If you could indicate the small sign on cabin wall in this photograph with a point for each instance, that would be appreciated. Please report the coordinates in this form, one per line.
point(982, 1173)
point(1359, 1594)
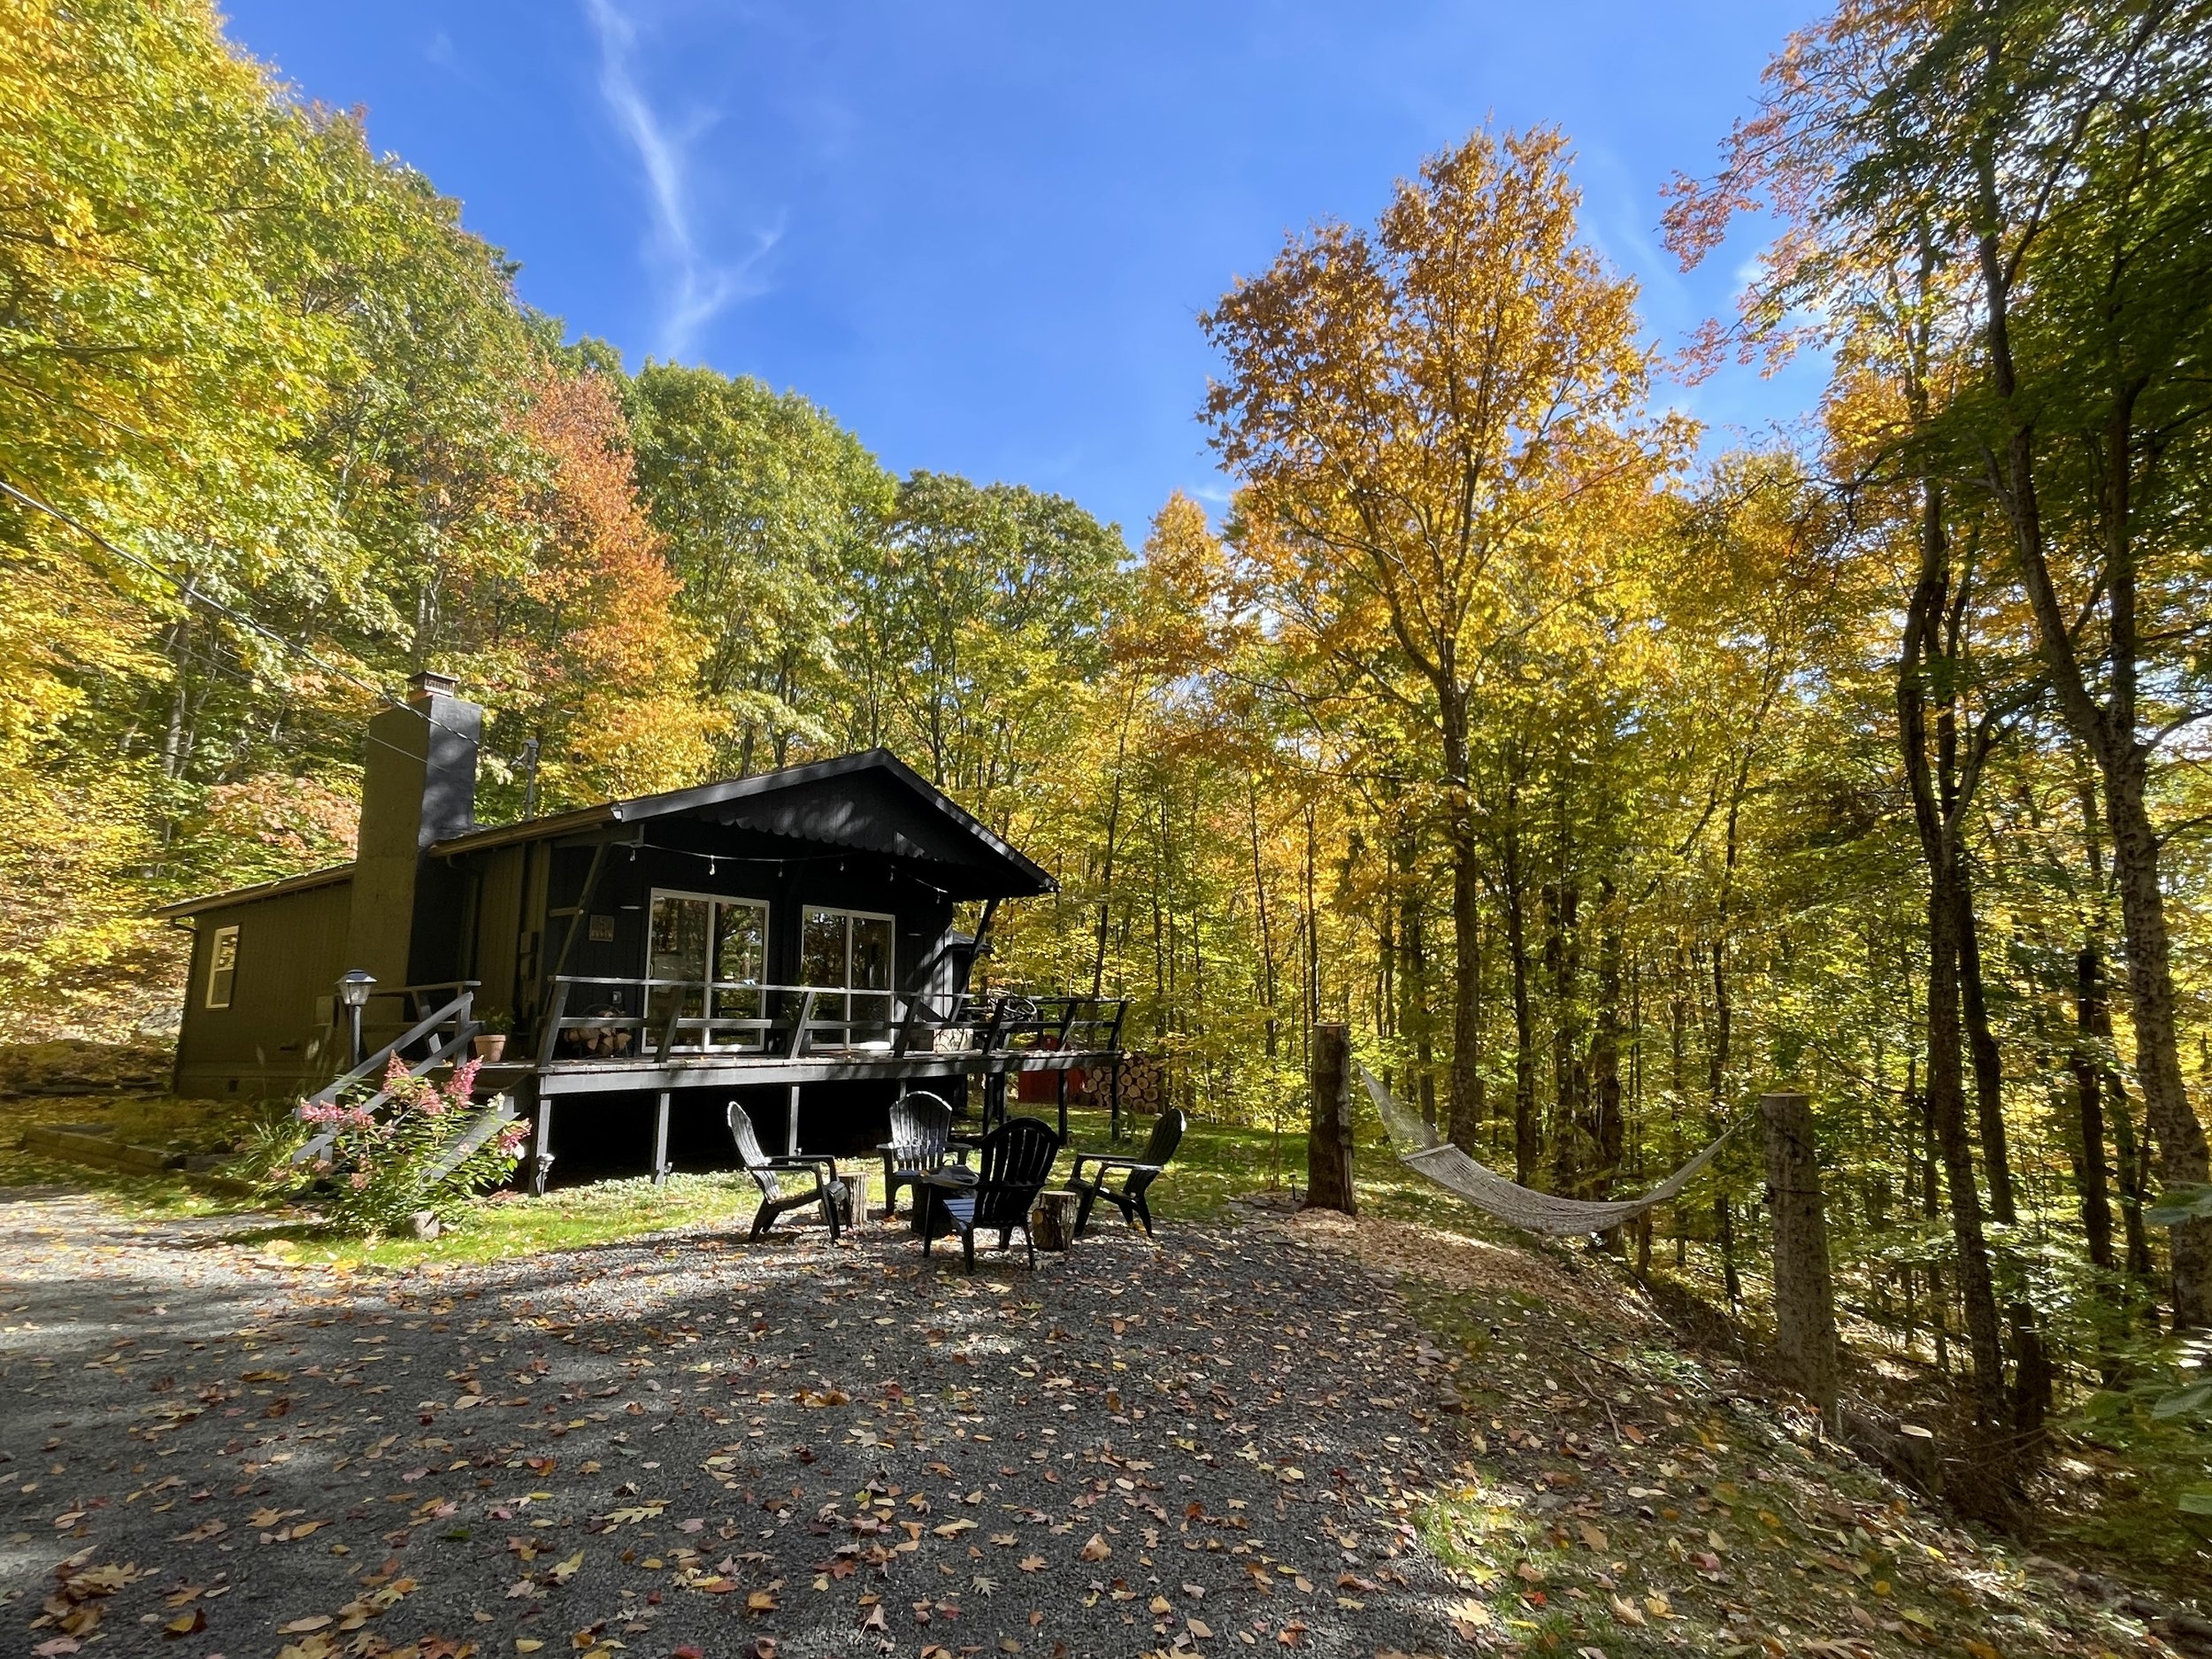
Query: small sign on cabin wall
point(602, 930)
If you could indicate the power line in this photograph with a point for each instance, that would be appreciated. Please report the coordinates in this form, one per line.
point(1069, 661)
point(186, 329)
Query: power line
point(191, 596)
point(243, 674)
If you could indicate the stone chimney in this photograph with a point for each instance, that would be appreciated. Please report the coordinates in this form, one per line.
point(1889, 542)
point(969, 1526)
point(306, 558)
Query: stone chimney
point(418, 786)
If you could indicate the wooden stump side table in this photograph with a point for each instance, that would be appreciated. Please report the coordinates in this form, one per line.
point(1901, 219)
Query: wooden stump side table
point(1052, 1220)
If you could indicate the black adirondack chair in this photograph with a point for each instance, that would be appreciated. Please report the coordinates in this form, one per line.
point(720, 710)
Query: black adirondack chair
point(921, 1141)
point(1137, 1174)
point(786, 1183)
point(1013, 1163)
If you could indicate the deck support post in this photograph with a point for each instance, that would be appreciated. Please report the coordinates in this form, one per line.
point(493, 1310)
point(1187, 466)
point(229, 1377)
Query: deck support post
point(994, 1098)
point(791, 1125)
point(1063, 1075)
point(541, 1153)
point(660, 1140)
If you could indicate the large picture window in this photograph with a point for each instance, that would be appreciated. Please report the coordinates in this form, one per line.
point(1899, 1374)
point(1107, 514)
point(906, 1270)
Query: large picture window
point(707, 956)
point(222, 966)
point(847, 956)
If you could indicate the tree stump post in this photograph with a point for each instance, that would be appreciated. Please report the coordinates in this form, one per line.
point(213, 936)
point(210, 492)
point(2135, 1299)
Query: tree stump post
point(1329, 1136)
point(1804, 1295)
point(1052, 1220)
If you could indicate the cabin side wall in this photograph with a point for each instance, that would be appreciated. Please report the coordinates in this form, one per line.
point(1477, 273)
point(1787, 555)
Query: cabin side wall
point(275, 1038)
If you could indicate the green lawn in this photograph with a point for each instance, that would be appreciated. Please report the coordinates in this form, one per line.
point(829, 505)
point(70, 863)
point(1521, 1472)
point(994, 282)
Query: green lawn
point(1215, 1164)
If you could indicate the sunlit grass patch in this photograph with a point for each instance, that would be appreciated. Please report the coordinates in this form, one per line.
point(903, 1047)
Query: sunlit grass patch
point(503, 1226)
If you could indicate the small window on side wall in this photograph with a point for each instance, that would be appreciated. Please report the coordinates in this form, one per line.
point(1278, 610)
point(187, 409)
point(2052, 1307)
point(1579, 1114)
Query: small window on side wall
point(222, 966)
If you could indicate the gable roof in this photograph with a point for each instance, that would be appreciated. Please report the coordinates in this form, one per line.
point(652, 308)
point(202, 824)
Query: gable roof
point(871, 802)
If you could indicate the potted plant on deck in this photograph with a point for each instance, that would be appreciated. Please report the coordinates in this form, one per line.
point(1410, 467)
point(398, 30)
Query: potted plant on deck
point(490, 1042)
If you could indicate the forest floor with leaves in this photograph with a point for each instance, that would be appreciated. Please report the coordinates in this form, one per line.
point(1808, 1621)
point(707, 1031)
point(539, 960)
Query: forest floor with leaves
point(1266, 1431)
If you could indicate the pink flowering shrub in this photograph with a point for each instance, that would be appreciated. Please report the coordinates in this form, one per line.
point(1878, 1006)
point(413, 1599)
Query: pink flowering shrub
point(382, 1166)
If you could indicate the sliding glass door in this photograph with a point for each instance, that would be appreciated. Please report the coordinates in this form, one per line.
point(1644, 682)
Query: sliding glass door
point(716, 949)
point(847, 956)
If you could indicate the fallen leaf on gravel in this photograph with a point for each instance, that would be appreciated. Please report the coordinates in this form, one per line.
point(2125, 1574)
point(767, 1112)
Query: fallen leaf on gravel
point(1097, 1549)
point(301, 1626)
point(1469, 1616)
point(186, 1623)
point(563, 1572)
point(1030, 1563)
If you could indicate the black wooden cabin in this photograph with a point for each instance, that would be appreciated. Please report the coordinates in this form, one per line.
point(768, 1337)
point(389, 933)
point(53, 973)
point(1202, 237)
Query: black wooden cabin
point(787, 939)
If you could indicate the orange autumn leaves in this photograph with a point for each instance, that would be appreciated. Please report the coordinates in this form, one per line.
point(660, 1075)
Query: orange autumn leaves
point(586, 643)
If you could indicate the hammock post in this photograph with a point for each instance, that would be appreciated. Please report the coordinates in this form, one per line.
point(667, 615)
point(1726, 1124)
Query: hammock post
point(1805, 1340)
point(1329, 1132)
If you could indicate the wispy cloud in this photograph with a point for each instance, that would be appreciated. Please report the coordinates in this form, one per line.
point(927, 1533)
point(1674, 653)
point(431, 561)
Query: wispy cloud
point(696, 287)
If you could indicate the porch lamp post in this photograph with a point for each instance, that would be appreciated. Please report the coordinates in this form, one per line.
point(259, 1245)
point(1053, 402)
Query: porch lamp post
point(353, 990)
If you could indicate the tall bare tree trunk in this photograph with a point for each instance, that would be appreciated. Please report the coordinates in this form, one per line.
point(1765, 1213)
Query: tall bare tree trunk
point(1528, 1141)
point(2094, 1173)
point(2108, 729)
point(1939, 805)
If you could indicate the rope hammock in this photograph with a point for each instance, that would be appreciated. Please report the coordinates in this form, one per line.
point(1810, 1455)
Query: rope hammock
point(1519, 1206)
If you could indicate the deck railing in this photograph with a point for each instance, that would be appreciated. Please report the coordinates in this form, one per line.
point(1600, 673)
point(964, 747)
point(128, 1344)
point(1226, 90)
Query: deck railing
point(591, 1016)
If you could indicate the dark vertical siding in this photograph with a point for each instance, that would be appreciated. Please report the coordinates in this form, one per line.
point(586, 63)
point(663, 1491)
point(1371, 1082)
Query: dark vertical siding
point(270, 1041)
point(498, 917)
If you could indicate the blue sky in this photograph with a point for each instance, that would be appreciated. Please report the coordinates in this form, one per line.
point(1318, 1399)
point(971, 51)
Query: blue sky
point(979, 234)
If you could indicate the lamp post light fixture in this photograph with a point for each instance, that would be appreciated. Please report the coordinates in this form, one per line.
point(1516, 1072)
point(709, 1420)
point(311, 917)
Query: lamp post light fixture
point(353, 991)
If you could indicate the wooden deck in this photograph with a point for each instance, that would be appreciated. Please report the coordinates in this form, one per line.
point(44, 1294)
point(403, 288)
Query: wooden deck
point(775, 1037)
point(743, 1070)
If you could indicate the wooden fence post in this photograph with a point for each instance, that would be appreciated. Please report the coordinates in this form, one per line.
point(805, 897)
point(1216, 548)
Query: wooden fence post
point(1329, 1136)
point(1804, 1295)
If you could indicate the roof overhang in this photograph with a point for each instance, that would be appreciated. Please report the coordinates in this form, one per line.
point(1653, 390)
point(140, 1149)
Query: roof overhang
point(870, 803)
point(259, 890)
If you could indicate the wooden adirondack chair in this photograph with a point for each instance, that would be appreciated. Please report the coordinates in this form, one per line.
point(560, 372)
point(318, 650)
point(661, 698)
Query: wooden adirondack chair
point(1137, 1174)
point(786, 1183)
point(1013, 1163)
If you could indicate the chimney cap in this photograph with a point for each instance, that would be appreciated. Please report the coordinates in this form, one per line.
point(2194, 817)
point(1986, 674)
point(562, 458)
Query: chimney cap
point(429, 683)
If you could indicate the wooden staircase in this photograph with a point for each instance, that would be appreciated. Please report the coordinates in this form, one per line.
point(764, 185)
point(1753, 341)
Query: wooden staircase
point(448, 1031)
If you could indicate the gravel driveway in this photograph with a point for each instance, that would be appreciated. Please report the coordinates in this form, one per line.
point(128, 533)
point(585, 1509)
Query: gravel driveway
point(691, 1442)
